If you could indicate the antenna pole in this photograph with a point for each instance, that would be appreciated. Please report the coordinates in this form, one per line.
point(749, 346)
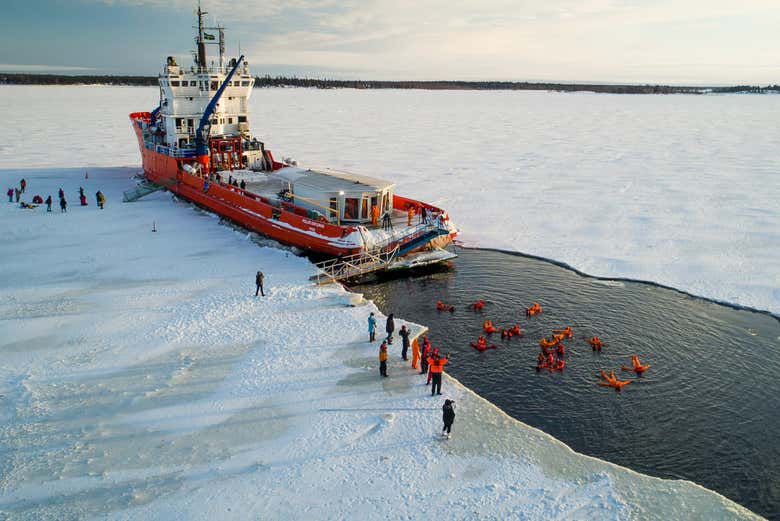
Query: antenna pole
point(201, 43)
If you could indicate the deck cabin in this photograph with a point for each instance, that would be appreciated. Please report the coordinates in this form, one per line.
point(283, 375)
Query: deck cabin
point(339, 196)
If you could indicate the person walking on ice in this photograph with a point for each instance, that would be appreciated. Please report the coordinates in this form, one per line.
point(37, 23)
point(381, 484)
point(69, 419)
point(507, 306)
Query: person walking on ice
point(383, 359)
point(371, 327)
point(448, 415)
point(63, 205)
point(48, 204)
point(390, 327)
point(259, 284)
point(10, 194)
point(404, 334)
point(101, 199)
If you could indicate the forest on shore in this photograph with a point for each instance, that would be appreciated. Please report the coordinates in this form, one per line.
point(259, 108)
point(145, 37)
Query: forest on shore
point(291, 81)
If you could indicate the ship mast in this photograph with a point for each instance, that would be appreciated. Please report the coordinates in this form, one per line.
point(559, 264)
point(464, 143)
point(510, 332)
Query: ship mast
point(201, 42)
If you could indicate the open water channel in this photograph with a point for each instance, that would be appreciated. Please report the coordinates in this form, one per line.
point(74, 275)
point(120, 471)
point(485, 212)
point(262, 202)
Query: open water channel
point(707, 409)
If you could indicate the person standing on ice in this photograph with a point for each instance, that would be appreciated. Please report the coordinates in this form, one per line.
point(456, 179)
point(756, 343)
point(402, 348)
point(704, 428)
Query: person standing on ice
point(10, 194)
point(81, 192)
point(415, 353)
point(242, 185)
point(61, 194)
point(17, 192)
point(23, 185)
point(437, 367)
point(48, 204)
point(383, 359)
point(101, 199)
point(63, 205)
point(259, 283)
point(390, 327)
point(371, 327)
point(404, 334)
point(448, 415)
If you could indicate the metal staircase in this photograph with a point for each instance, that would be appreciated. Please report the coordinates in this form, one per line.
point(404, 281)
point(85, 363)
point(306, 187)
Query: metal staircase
point(341, 268)
point(378, 258)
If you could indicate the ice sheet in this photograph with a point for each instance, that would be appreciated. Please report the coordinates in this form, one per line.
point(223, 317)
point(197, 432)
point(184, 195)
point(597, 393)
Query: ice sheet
point(141, 379)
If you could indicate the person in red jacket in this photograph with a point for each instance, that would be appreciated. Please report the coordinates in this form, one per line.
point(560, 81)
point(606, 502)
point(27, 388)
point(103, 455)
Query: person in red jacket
point(426, 352)
point(436, 364)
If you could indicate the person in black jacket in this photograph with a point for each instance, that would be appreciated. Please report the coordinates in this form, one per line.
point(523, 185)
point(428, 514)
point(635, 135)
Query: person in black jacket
point(448, 415)
point(404, 334)
point(390, 327)
point(259, 283)
point(48, 204)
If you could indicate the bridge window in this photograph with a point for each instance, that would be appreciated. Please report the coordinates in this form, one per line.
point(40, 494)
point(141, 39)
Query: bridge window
point(214, 85)
point(174, 84)
point(242, 119)
point(245, 84)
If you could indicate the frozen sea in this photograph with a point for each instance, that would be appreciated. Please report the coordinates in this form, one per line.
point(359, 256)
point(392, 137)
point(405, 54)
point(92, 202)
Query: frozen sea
point(681, 190)
point(139, 380)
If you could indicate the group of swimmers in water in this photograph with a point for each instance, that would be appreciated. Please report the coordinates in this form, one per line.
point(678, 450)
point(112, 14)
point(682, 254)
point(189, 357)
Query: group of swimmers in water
point(553, 352)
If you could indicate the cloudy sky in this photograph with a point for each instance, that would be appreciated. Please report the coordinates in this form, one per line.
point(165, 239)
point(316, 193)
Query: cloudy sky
point(636, 41)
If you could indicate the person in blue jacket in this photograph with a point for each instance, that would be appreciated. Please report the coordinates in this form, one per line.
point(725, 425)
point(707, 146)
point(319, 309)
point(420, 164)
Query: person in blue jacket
point(371, 327)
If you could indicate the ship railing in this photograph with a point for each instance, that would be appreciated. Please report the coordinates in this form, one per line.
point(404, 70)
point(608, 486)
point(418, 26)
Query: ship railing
point(351, 266)
point(174, 152)
point(408, 234)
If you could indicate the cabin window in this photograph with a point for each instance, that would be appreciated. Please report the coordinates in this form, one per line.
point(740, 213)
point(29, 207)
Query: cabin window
point(213, 85)
point(230, 121)
point(242, 119)
point(364, 209)
point(174, 84)
point(334, 206)
point(191, 122)
point(351, 208)
point(178, 122)
point(385, 205)
point(192, 84)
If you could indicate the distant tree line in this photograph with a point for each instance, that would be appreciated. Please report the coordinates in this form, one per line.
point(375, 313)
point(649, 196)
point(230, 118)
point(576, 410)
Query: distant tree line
point(290, 81)
point(67, 79)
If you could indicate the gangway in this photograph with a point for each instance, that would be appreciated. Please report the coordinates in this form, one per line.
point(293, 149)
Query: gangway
point(341, 268)
point(378, 258)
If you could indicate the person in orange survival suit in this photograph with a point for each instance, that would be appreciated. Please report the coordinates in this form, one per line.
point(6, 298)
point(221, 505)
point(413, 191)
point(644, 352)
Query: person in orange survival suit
point(374, 215)
point(415, 353)
point(436, 364)
point(383, 359)
point(409, 215)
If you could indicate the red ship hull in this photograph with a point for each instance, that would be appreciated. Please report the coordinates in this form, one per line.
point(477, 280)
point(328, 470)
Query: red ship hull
point(283, 222)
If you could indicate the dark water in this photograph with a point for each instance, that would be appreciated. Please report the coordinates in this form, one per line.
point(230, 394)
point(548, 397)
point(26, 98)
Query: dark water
point(707, 409)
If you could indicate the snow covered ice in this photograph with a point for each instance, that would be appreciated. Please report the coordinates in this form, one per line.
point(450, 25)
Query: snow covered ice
point(140, 378)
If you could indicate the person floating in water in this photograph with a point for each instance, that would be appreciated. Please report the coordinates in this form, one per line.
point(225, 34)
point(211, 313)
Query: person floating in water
point(482, 345)
point(595, 343)
point(565, 333)
point(636, 366)
point(478, 305)
point(441, 306)
point(488, 327)
point(535, 309)
point(612, 381)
